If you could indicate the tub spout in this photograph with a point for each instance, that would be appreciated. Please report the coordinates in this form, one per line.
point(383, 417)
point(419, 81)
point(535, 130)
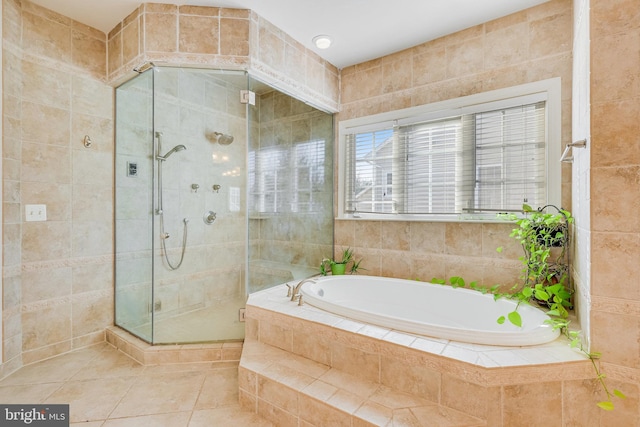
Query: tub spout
point(295, 293)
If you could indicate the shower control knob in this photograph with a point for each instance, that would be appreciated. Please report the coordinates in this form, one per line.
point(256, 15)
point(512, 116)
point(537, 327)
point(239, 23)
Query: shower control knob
point(164, 236)
point(209, 217)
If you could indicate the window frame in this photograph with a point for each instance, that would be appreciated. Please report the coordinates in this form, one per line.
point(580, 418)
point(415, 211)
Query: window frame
point(545, 90)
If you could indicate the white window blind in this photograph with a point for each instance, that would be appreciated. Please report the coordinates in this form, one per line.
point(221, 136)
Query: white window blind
point(483, 161)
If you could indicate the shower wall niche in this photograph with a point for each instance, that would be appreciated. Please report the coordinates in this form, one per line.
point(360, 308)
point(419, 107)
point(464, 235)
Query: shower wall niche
point(214, 199)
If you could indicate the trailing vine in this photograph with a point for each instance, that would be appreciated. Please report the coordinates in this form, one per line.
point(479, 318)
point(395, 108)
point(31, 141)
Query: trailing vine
point(545, 280)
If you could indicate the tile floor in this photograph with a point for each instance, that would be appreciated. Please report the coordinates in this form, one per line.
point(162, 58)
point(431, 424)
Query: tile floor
point(106, 388)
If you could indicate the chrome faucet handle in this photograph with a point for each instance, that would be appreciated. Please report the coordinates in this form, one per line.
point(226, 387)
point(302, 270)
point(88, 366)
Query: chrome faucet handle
point(289, 289)
point(295, 294)
point(300, 300)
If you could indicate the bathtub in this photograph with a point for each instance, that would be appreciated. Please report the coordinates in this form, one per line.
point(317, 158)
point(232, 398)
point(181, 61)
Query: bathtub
point(428, 309)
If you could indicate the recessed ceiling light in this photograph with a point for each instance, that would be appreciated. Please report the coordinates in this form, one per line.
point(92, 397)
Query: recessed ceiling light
point(322, 41)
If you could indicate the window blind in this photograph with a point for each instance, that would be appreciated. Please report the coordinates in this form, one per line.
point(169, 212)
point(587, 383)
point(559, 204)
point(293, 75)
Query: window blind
point(479, 162)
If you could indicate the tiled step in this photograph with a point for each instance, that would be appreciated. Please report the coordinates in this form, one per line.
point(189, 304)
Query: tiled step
point(291, 390)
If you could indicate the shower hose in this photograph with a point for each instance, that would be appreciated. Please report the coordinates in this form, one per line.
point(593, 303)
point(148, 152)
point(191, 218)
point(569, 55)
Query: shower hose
point(164, 236)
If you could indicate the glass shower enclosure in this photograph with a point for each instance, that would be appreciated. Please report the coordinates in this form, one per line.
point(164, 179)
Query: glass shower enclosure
point(214, 199)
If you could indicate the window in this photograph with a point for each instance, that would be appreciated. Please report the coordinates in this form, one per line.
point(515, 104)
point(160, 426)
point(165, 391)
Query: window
point(468, 158)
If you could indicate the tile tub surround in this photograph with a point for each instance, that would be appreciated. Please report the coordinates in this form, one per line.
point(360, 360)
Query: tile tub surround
point(493, 380)
point(291, 390)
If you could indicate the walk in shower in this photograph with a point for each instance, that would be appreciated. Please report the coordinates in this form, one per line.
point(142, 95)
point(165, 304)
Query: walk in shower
point(223, 187)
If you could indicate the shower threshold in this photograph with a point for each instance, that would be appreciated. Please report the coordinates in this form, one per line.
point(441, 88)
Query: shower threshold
point(216, 323)
point(147, 354)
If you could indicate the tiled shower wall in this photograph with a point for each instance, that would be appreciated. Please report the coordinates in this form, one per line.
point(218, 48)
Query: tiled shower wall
point(58, 286)
point(528, 46)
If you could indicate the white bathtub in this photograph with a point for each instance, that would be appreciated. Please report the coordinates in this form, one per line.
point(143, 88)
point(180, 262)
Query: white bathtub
point(428, 309)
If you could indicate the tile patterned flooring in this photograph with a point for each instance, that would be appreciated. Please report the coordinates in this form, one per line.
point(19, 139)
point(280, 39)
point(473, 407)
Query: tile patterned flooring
point(106, 388)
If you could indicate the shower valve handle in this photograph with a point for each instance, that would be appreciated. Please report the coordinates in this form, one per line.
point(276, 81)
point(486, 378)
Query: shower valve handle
point(209, 217)
point(164, 236)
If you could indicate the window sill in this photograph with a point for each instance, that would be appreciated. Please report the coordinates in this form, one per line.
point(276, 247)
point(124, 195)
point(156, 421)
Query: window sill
point(462, 218)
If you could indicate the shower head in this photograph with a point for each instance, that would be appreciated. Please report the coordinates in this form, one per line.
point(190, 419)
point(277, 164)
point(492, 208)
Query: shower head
point(223, 139)
point(173, 150)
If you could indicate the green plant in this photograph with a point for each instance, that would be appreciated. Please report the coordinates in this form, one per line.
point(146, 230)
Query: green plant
point(328, 264)
point(545, 239)
point(545, 280)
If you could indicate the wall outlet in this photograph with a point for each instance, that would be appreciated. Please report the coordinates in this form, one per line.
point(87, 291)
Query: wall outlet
point(35, 212)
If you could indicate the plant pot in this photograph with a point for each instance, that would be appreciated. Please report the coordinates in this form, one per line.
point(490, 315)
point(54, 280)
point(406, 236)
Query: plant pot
point(546, 236)
point(338, 269)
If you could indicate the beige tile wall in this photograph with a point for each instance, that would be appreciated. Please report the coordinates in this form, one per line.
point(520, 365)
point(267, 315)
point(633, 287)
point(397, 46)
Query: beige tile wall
point(615, 172)
point(223, 38)
point(58, 287)
point(167, 33)
point(528, 46)
point(523, 47)
point(284, 63)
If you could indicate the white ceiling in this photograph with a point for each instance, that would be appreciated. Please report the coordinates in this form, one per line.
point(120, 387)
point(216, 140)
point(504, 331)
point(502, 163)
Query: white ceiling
point(361, 29)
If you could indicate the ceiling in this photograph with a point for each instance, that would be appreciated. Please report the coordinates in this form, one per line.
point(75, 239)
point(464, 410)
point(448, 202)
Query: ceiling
point(361, 29)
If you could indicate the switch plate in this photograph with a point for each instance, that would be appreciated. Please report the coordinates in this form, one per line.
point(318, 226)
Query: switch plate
point(35, 212)
point(132, 169)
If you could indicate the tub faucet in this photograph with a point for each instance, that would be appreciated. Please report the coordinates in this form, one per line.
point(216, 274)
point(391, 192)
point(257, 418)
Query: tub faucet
point(295, 292)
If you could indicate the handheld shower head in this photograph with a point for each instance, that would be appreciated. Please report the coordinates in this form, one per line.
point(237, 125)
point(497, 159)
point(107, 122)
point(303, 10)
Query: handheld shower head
point(173, 150)
point(223, 139)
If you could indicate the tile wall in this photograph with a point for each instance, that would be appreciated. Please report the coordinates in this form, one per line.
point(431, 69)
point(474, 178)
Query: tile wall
point(528, 46)
point(58, 284)
point(614, 190)
point(532, 45)
point(214, 37)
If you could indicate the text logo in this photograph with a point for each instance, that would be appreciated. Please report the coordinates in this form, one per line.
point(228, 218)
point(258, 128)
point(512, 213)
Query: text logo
point(34, 415)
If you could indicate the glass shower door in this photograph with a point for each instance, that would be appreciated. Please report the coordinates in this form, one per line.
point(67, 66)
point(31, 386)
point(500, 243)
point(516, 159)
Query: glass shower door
point(290, 188)
point(181, 227)
point(134, 171)
point(200, 137)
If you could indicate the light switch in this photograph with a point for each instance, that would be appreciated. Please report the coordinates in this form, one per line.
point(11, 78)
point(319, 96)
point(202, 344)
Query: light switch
point(35, 212)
